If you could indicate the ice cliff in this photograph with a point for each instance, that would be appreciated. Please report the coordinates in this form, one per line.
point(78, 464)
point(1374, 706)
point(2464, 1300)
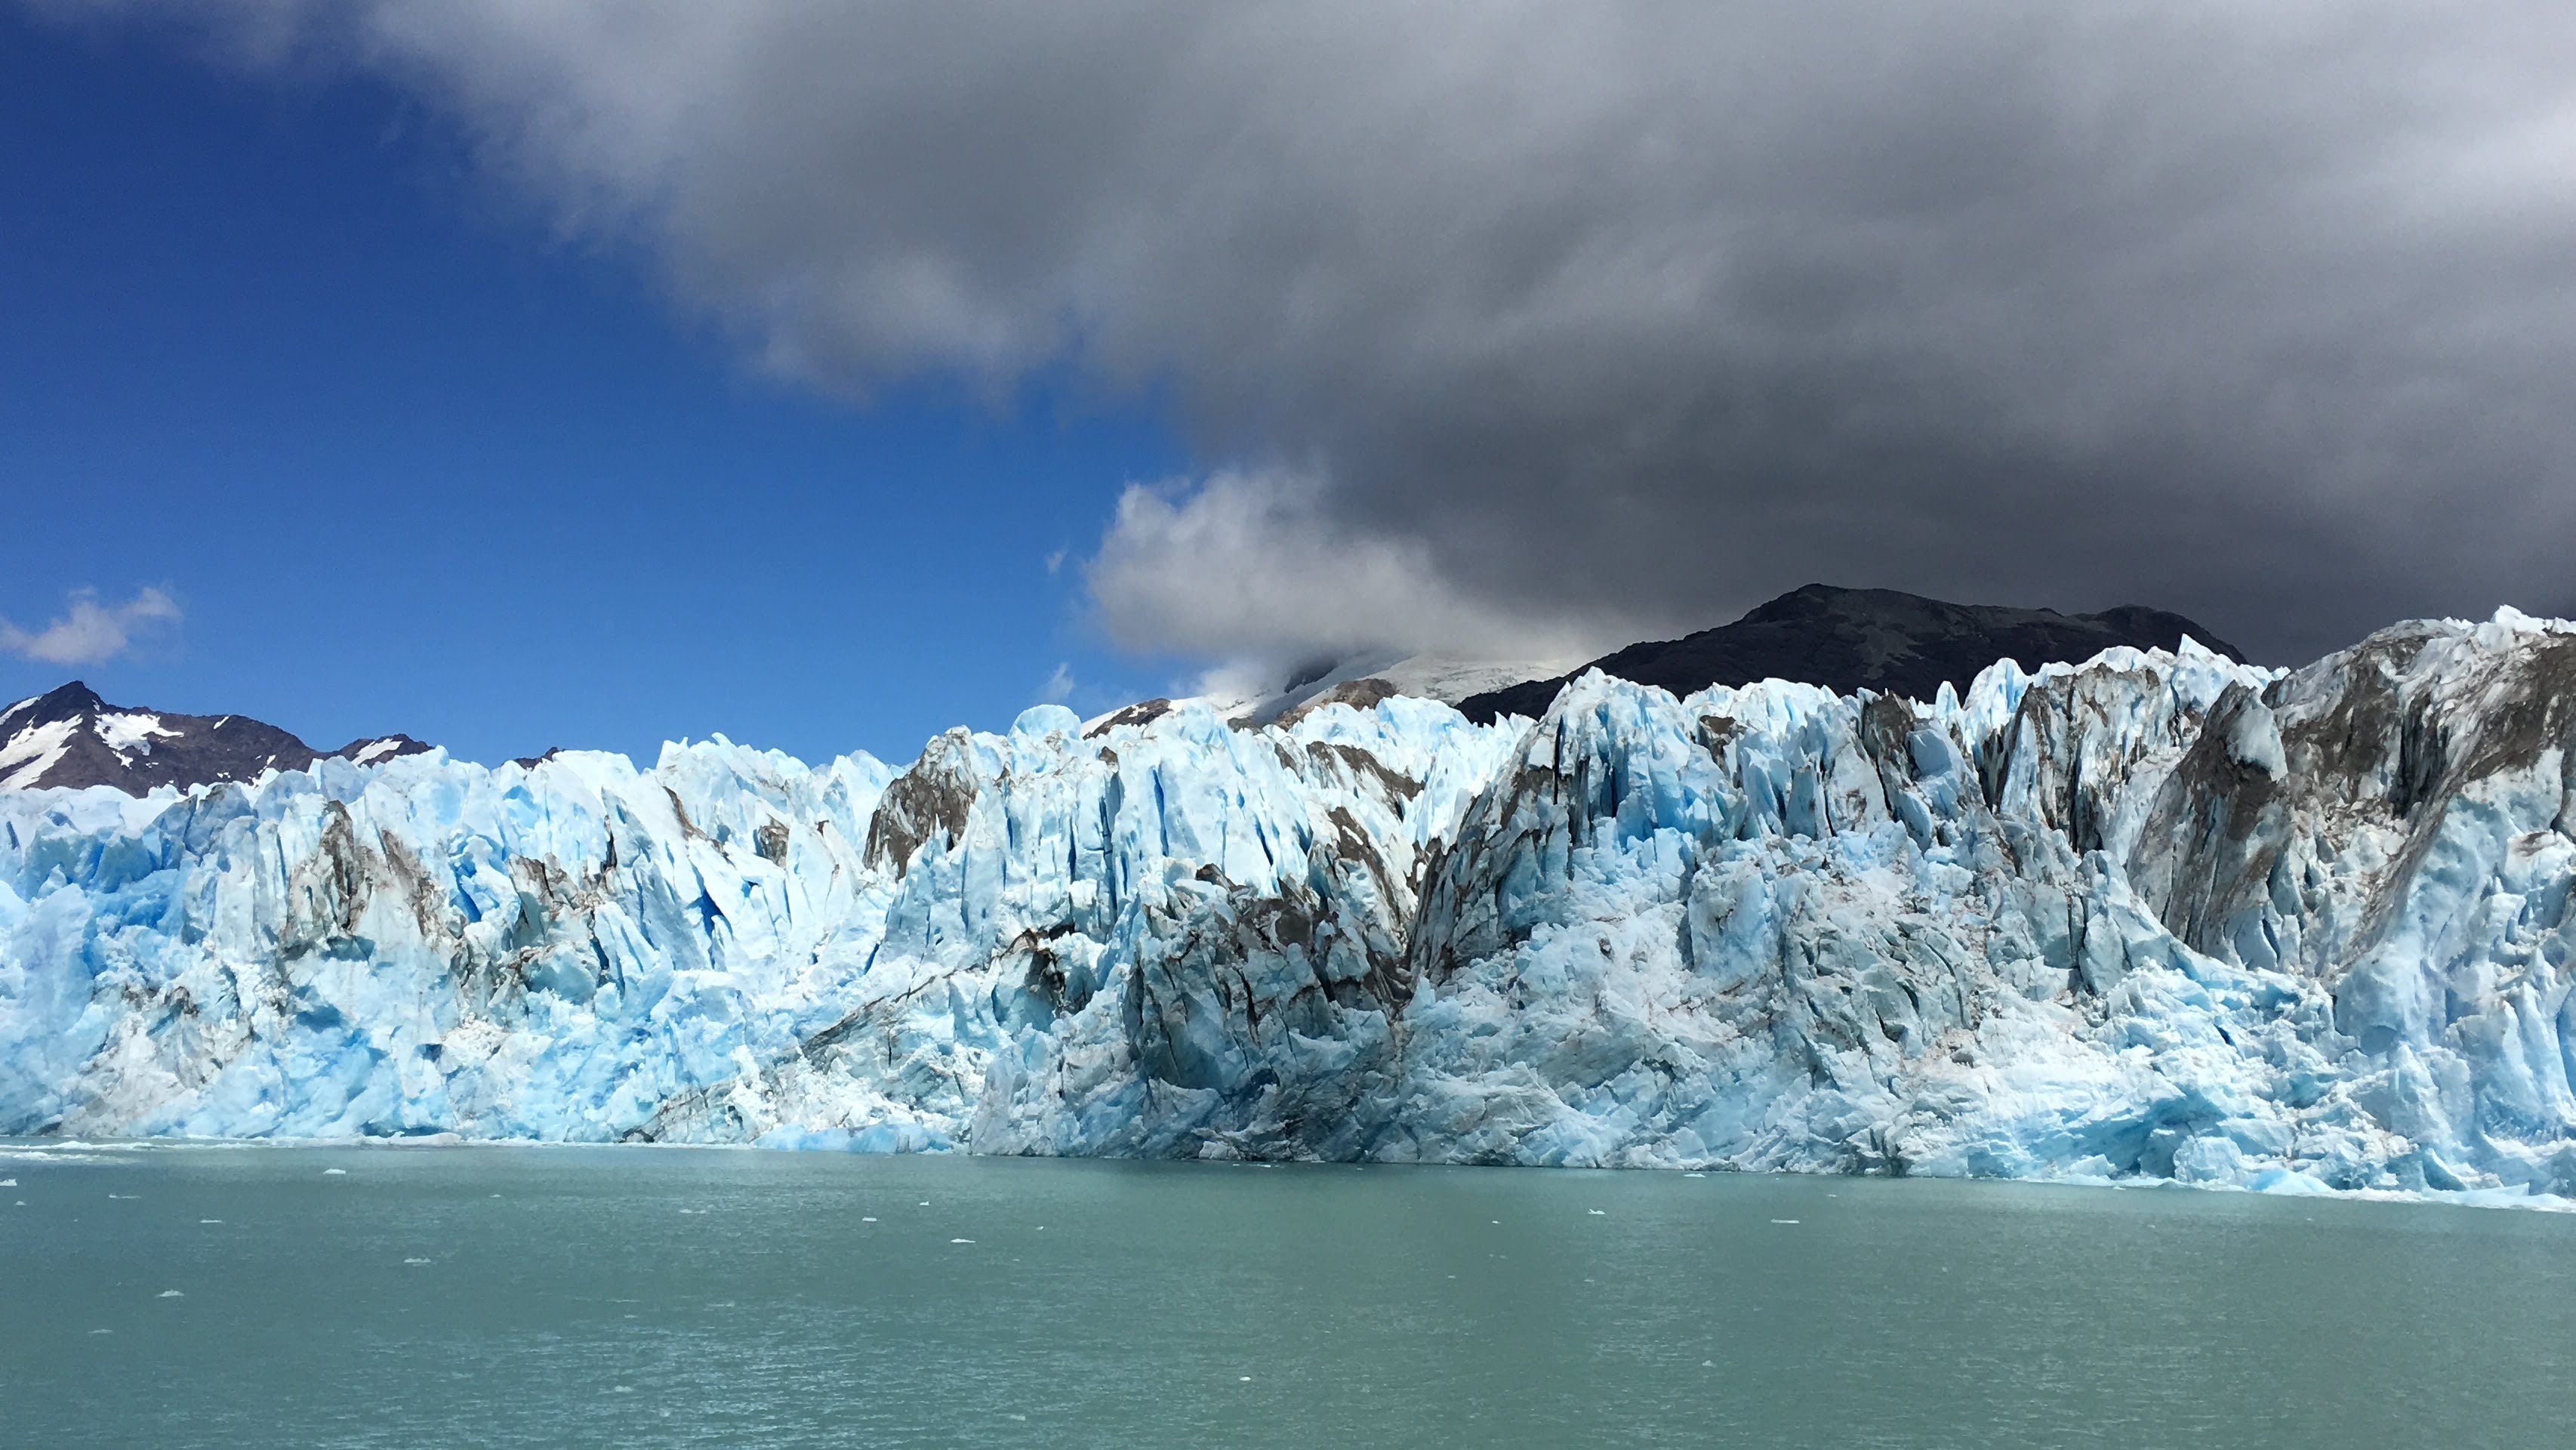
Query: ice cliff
point(2154, 915)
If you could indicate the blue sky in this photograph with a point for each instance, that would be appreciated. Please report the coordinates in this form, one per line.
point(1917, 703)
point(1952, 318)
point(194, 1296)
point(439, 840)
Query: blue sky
point(409, 460)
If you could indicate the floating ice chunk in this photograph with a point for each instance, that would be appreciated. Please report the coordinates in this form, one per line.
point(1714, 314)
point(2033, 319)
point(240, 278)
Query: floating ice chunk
point(415, 1261)
point(2285, 1180)
point(170, 1294)
point(210, 1220)
point(1784, 1220)
point(1596, 1213)
point(334, 1172)
point(8, 1182)
point(867, 1220)
point(961, 1241)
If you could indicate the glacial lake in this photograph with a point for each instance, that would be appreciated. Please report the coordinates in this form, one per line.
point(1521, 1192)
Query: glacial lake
point(400, 1296)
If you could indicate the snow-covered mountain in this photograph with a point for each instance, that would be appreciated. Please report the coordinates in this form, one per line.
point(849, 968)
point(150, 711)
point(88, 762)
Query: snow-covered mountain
point(2157, 915)
point(71, 737)
point(1369, 676)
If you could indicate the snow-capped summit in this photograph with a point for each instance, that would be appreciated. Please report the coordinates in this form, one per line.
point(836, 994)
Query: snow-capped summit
point(70, 737)
point(1362, 679)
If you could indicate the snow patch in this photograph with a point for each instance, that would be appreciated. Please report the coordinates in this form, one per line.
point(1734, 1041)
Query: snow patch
point(32, 751)
point(129, 733)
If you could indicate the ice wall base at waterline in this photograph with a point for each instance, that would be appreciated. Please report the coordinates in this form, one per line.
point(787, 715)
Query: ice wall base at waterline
point(2152, 916)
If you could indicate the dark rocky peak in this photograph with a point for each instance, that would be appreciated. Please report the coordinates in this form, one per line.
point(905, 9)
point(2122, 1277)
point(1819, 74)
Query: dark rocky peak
point(69, 737)
point(1864, 639)
point(375, 749)
point(63, 702)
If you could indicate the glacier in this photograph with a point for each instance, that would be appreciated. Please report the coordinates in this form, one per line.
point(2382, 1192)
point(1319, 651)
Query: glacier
point(2156, 916)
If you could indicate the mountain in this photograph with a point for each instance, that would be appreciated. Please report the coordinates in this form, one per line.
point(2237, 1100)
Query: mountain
point(2160, 916)
point(70, 737)
point(1372, 675)
point(1862, 639)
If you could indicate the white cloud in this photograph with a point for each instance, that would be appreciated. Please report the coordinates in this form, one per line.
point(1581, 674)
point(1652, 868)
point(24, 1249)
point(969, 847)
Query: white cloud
point(1059, 685)
point(89, 632)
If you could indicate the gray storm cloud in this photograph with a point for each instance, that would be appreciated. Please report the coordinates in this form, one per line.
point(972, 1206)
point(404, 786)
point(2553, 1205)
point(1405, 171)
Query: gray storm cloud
point(1508, 320)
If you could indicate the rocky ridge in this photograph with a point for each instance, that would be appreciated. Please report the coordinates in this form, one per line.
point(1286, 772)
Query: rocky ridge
point(1862, 639)
point(70, 738)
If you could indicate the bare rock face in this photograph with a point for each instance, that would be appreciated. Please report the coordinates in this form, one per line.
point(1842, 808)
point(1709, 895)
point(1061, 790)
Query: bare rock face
point(1362, 693)
point(70, 738)
point(1143, 712)
point(1849, 640)
point(928, 802)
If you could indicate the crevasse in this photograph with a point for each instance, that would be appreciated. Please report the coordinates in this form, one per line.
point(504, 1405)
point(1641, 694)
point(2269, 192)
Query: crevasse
point(2153, 916)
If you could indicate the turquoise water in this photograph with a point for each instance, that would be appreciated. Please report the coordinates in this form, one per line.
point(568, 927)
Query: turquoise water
point(631, 1296)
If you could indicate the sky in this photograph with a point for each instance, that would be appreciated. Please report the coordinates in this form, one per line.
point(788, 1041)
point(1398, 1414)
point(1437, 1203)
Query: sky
point(378, 451)
point(829, 374)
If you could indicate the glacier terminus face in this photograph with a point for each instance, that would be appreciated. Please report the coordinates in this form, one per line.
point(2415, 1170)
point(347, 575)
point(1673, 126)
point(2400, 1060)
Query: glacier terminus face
point(2154, 916)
